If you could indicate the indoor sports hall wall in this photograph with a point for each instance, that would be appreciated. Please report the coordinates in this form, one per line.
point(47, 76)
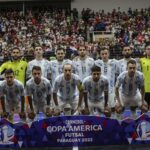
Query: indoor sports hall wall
point(109, 5)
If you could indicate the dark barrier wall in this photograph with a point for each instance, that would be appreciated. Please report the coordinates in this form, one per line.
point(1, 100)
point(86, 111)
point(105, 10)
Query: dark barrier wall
point(109, 5)
point(27, 4)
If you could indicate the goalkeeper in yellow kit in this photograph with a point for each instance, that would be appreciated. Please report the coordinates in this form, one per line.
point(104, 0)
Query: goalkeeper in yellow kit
point(16, 64)
point(145, 65)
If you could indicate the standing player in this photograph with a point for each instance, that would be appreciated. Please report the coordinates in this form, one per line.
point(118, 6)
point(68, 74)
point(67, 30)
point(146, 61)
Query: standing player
point(83, 63)
point(132, 91)
point(127, 53)
point(12, 94)
point(145, 66)
point(16, 64)
point(65, 89)
point(95, 89)
point(57, 65)
point(109, 68)
point(39, 61)
point(38, 91)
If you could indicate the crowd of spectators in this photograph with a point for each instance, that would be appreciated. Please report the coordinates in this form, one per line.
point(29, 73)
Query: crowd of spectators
point(67, 32)
point(69, 28)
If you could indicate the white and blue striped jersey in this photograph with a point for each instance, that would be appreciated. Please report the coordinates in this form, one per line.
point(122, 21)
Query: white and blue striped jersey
point(122, 64)
point(12, 93)
point(57, 68)
point(95, 90)
point(83, 67)
point(44, 64)
point(130, 85)
point(67, 90)
point(110, 70)
point(39, 91)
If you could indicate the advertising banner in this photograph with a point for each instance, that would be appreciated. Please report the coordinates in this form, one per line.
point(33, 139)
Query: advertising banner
point(69, 131)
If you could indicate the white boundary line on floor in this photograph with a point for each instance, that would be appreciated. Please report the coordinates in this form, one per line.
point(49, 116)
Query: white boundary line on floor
point(75, 148)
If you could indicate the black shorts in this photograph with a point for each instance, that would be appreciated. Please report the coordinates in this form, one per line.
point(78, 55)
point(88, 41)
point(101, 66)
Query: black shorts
point(147, 97)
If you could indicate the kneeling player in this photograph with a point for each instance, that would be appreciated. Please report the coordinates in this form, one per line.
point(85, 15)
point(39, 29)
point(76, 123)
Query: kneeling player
point(95, 89)
point(130, 89)
point(38, 91)
point(67, 90)
point(12, 95)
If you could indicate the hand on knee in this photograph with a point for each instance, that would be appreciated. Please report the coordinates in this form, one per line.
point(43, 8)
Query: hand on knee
point(144, 108)
point(119, 109)
point(85, 111)
point(107, 111)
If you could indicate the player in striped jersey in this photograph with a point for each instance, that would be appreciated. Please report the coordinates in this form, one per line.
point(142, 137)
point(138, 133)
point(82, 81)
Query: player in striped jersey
point(39, 61)
point(127, 53)
point(83, 63)
point(65, 89)
point(132, 89)
point(57, 65)
point(38, 91)
point(95, 88)
point(145, 65)
point(12, 94)
point(109, 68)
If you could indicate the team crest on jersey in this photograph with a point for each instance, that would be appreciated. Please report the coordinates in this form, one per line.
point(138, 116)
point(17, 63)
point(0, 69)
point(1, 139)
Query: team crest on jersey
point(32, 89)
point(89, 64)
point(54, 65)
point(110, 65)
point(21, 68)
point(16, 90)
point(143, 131)
point(73, 83)
point(61, 86)
point(6, 135)
point(43, 89)
point(4, 91)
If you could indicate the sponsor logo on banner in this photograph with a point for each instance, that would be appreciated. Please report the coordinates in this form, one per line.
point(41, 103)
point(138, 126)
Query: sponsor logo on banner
point(77, 130)
point(143, 131)
point(74, 131)
point(6, 135)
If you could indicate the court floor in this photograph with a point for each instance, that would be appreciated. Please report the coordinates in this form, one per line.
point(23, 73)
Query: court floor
point(105, 147)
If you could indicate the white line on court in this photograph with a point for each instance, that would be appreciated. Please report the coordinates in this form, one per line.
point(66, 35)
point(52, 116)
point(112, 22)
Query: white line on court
point(75, 148)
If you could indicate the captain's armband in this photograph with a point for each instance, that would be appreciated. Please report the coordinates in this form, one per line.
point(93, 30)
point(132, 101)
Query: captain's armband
point(80, 87)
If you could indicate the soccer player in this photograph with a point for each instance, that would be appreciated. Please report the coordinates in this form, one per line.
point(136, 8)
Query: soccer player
point(16, 64)
point(109, 68)
point(39, 61)
point(57, 65)
point(12, 94)
point(132, 92)
point(65, 89)
point(95, 91)
point(145, 66)
point(83, 63)
point(127, 53)
point(38, 91)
